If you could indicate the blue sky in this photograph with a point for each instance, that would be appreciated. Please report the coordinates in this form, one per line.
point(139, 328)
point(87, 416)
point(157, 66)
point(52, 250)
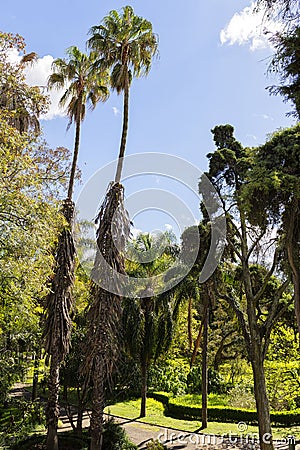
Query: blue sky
point(204, 77)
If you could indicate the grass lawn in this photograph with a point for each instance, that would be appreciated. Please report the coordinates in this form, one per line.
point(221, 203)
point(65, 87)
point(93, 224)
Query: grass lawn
point(155, 415)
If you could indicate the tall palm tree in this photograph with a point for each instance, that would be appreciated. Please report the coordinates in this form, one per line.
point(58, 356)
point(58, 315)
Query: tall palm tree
point(81, 85)
point(124, 44)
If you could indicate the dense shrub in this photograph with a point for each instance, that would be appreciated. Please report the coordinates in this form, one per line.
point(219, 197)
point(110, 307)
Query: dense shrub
point(184, 408)
point(216, 383)
point(169, 376)
point(115, 438)
point(241, 396)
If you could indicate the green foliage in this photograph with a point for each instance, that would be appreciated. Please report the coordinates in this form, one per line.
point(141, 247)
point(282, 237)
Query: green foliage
point(124, 43)
point(169, 376)
point(19, 418)
point(241, 396)
point(114, 437)
point(155, 445)
point(82, 83)
point(286, 62)
point(31, 177)
point(187, 407)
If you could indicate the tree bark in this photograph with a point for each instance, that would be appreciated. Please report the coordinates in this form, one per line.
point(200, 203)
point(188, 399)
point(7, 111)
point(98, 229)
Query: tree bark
point(52, 409)
point(204, 381)
point(35, 377)
point(79, 420)
point(144, 372)
point(96, 424)
point(261, 397)
point(190, 324)
point(293, 255)
point(198, 340)
point(124, 132)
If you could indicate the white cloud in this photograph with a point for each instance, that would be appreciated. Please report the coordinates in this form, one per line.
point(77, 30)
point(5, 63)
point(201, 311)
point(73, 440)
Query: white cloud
point(115, 111)
point(37, 75)
point(264, 116)
point(168, 226)
point(249, 27)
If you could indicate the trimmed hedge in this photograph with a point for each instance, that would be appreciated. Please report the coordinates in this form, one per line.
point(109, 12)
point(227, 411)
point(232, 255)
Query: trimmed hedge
point(173, 408)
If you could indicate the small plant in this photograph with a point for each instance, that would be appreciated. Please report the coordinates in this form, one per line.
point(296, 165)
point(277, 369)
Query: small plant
point(155, 445)
point(115, 438)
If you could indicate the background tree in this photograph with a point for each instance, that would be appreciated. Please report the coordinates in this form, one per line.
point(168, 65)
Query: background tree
point(148, 321)
point(229, 167)
point(286, 63)
point(276, 187)
point(31, 176)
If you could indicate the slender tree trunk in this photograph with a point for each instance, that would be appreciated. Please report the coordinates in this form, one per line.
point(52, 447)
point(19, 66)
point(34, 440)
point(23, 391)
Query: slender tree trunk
point(198, 340)
point(204, 381)
point(75, 154)
point(256, 350)
point(52, 410)
point(144, 371)
point(35, 376)
point(96, 424)
point(190, 324)
point(79, 420)
point(261, 397)
point(293, 255)
point(124, 132)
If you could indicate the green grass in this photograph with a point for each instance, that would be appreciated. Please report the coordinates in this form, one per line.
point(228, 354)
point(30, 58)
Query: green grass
point(155, 415)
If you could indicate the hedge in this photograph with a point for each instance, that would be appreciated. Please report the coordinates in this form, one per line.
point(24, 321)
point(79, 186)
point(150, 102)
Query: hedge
point(174, 409)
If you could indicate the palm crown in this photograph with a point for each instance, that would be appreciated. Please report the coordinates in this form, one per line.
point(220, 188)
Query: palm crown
point(126, 44)
point(83, 84)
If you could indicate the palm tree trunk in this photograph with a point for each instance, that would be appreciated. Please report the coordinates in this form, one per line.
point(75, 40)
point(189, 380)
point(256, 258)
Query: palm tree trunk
point(124, 132)
point(75, 155)
point(96, 424)
point(52, 409)
point(204, 381)
point(57, 330)
point(144, 372)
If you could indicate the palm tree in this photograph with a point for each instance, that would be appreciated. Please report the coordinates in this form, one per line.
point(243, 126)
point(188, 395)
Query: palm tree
point(148, 320)
point(126, 44)
point(82, 85)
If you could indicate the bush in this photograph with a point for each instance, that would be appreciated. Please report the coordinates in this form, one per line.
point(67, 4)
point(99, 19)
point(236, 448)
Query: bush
point(216, 383)
point(187, 408)
point(115, 438)
point(155, 445)
point(169, 376)
point(240, 396)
